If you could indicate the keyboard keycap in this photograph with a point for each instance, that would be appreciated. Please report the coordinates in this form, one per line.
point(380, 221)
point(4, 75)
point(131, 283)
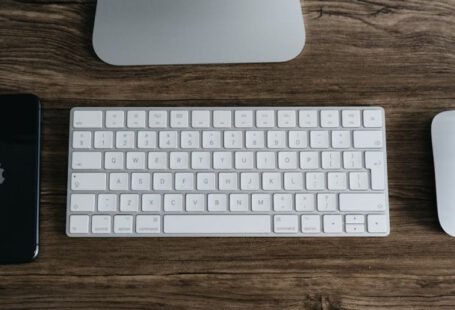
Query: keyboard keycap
point(88, 181)
point(88, 119)
point(286, 224)
point(368, 139)
point(217, 224)
point(362, 202)
point(86, 160)
point(79, 224)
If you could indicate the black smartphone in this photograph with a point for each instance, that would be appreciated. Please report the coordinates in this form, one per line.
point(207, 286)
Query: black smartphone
point(20, 135)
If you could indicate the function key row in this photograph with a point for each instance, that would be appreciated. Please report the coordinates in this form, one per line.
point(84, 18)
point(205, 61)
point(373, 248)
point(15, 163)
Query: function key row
point(287, 118)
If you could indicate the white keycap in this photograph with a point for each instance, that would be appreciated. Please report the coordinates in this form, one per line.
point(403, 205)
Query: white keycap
point(308, 119)
point(222, 160)
point(201, 160)
point(104, 139)
point(362, 203)
point(101, 224)
point(271, 181)
point(330, 119)
point(147, 140)
point(173, 203)
point(125, 140)
point(158, 119)
point(107, 203)
point(309, 160)
point(114, 160)
point(79, 224)
point(244, 160)
point(288, 160)
point(88, 119)
point(239, 202)
point(190, 139)
point(206, 181)
point(118, 181)
point(337, 181)
point(372, 119)
point(168, 139)
point(315, 181)
point(355, 219)
point(201, 119)
point(266, 160)
point(311, 224)
point(228, 181)
point(351, 118)
point(298, 139)
point(115, 119)
point(195, 203)
point(319, 139)
point(293, 181)
point(265, 119)
point(377, 224)
point(333, 224)
point(82, 140)
point(179, 160)
point(287, 119)
point(180, 119)
point(158, 160)
point(151, 203)
point(283, 202)
point(148, 224)
point(135, 160)
point(217, 224)
point(82, 203)
point(276, 139)
point(375, 162)
point(129, 203)
point(136, 119)
point(341, 139)
point(140, 182)
point(123, 224)
point(327, 202)
point(305, 202)
point(358, 181)
point(222, 119)
point(331, 160)
point(261, 202)
point(233, 139)
point(184, 181)
point(86, 160)
point(368, 139)
point(88, 181)
point(355, 228)
point(211, 140)
point(352, 160)
point(255, 139)
point(249, 181)
point(217, 203)
point(286, 224)
point(243, 119)
point(163, 181)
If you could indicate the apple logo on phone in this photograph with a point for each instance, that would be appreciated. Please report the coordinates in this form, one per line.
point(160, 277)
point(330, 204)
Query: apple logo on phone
point(2, 178)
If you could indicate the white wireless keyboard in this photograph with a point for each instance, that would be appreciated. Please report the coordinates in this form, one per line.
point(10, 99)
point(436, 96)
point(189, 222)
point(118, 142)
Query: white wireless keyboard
point(267, 172)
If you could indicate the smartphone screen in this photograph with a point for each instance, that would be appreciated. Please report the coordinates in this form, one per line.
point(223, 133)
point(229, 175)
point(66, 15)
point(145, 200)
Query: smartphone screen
point(20, 119)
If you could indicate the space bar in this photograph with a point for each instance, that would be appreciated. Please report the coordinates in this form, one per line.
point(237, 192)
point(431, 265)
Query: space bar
point(217, 224)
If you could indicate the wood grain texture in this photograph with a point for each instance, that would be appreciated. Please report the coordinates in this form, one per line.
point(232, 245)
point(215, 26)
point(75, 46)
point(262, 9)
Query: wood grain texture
point(395, 54)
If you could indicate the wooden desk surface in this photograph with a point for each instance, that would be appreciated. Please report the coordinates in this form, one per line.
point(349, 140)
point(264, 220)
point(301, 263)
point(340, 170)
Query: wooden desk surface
point(395, 54)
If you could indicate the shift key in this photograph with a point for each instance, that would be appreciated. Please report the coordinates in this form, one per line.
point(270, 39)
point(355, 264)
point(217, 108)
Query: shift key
point(363, 202)
point(88, 181)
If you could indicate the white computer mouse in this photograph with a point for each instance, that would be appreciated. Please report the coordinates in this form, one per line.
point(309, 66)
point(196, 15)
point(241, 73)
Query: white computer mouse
point(443, 136)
